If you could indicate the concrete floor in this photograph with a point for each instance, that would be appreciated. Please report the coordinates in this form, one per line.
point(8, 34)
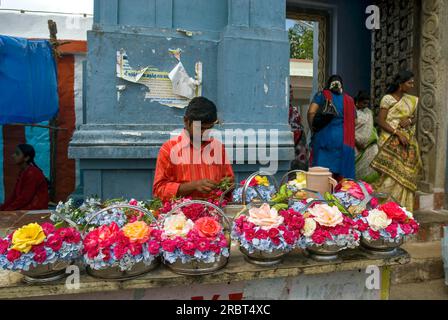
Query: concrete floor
point(428, 290)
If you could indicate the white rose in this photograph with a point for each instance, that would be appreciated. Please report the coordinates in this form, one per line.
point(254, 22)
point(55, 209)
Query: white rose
point(309, 227)
point(177, 225)
point(378, 220)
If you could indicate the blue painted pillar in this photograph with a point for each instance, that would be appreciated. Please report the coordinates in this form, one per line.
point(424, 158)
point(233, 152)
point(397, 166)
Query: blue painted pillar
point(244, 49)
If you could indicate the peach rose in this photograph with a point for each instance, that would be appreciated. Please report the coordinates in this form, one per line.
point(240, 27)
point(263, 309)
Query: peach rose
point(137, 231)
point(265, 217)
point(326, 216)
point(207, 227)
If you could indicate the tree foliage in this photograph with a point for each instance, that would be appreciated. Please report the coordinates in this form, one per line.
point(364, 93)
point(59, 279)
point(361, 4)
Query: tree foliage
point(301, 42)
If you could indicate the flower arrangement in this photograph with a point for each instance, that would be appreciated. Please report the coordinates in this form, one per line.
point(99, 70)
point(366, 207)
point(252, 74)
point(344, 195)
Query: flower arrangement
point(110, 245)
point(267, 230)
point(298, 183)
point(215, 196)
point(39, 244)
point(259, 188)
point(193, 234)
point(350, 194)
point(325, 224)
point(388, 222)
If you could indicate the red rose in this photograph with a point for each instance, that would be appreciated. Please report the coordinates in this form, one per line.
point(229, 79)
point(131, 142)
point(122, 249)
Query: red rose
point(407, 228)
point(203, 245)
point(40, 256)
point(38, 248)
point(169, 245)
point(69, 235)
point(119, 251)
point(394, 211)
point(289, 237)
point(13, 255)
point(54, 243)
point(207, 227)
point(375, 235)
point(135, 248)
point(153, 247)
point(48, 228)
point(415, 226)
point(275, 241)
point(106, 253)
point(392, 229)
point(249, 234)
point(362, 226)
point(4, 244)
point(188, 248)
point(92, 253)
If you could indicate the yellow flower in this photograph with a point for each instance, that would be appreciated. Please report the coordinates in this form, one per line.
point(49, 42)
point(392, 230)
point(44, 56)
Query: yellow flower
point(27, 237)
point(137, 231)
point(262, 181)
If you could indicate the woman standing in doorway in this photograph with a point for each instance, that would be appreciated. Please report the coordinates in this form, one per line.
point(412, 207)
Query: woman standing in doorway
point(333, 141)
point(31, 189)
point(399, 161)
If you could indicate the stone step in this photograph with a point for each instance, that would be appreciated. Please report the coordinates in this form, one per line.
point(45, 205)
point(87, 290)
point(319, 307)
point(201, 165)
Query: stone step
point(431, 226)
point(426, 264)
point(428, 290)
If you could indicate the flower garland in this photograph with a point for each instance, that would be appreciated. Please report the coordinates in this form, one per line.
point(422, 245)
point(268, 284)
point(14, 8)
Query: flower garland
point(388, 222)
point(259, 188)
point(266, 229)
point(326, 225)
point(39, 244)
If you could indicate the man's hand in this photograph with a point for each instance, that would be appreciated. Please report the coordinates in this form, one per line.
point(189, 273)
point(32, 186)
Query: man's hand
point(202, 186)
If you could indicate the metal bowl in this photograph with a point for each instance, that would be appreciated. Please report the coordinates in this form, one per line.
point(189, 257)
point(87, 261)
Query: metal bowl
point(195, 267)
point(46, 273)
point(114, 273)
point(262, 258)
point(325, 252)
point(380, 246)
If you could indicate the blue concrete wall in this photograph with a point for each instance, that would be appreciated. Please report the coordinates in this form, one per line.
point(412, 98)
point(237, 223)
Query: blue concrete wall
point(350, 39)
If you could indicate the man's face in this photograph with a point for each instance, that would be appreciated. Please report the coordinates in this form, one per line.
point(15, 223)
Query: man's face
point(189, 125)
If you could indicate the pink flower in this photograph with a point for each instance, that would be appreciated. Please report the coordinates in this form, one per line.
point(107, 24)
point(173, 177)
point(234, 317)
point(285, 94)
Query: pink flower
point(135, 248)
point(207, 227)
point(273, 233)
point(362, 226)
point(133, 202)
point(92, 252)
point(253, 183)
point(69, 235)
point(249, 234)
point(169, 245)
point(54, 242)
point(48, 228)
point(153, 248)
point(375, 235)
point(188, 248)
point(289, 237)
point(374, 202)
point(106, 252)
point(13, 255)
point(392, 229)
point(261, 234)
point(119, 251)
point(275, 241)
point(407, 228)
point(203, 245)
point(40, 256)
point(4, 244)
point(319, 236)
point(415, 226)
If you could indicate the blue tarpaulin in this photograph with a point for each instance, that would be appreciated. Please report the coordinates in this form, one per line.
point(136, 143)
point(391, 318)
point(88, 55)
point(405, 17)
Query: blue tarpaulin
point(28, 81)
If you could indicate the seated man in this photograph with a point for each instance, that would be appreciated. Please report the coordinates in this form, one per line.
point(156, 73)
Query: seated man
point(191, 164)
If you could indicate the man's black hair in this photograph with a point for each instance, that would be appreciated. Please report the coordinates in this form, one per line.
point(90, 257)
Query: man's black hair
point(362, 96)
point(201, 109)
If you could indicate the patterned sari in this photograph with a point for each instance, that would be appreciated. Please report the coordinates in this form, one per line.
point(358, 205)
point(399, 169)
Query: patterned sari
point(366, 146)
point(399, 166)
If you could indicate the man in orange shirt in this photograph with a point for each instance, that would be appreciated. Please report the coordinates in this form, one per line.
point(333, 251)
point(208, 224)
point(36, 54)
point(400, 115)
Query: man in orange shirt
point(192, 164)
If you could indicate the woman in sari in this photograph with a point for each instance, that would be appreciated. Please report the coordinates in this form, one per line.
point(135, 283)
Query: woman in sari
point(399, 161)
point(366, 138)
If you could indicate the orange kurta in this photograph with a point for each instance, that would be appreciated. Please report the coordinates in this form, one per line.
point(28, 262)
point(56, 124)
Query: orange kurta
point(179, 162)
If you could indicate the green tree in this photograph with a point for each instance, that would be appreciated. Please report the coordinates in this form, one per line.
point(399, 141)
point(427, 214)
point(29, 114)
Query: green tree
point(301, 42)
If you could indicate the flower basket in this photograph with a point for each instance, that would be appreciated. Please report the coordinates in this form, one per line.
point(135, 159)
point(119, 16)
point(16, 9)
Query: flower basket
point(40, 251)
point(385, 228)
point(296, 186)
point(256, 188)
point(266, 235)
point(326, 231)
point(195, 238)
point(355, 196)
point(116, 252)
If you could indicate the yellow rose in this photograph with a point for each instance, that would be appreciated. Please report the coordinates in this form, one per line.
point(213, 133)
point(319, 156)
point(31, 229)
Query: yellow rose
point(27, 237)
point(137, 231)
point(262, 181)
point(309, 227)
point(326, 216)
point(177, 225)
point(378, 220)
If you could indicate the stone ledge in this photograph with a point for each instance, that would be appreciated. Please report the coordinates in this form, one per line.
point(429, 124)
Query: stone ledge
point(295, 264)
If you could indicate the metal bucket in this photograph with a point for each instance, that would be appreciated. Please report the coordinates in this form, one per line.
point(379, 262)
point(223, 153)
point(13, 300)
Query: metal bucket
point(324, 253)
point(46, 273)
point(262, 258)
point(197, 268)
point(380, 246)
point(114, 273)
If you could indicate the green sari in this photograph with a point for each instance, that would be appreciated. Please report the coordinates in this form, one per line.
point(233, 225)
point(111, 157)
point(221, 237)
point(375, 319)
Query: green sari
point(399, 166)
